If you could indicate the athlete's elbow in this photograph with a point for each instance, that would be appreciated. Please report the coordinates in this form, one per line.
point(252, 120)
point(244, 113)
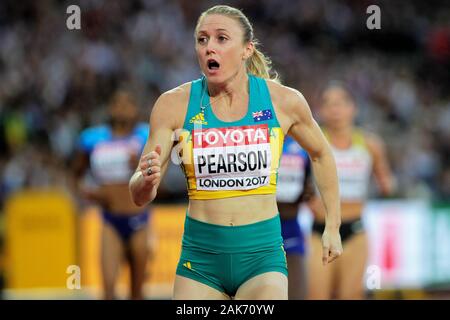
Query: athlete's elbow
point(319, 155)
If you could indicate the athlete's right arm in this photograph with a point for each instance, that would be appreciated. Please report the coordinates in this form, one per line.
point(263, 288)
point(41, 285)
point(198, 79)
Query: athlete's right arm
point(163, 121)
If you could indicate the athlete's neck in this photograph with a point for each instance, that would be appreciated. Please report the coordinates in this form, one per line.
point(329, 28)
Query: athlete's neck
point(235, 86)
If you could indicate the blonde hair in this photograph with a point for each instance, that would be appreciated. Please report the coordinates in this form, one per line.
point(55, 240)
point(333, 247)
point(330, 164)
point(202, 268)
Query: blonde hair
point(258, 64)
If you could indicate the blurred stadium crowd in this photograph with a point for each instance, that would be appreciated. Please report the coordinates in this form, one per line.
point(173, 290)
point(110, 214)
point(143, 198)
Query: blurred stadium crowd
point(55, 81)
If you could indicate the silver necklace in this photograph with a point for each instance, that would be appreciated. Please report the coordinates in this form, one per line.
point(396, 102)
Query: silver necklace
point(203, 107)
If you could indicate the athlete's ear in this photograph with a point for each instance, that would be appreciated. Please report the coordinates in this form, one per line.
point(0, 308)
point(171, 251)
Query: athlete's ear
point(249, 49)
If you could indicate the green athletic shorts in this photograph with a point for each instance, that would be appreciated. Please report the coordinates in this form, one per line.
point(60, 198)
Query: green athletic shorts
point(224, 257)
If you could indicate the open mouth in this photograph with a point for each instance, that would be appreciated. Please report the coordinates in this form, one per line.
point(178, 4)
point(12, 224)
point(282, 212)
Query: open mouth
point(213, 64)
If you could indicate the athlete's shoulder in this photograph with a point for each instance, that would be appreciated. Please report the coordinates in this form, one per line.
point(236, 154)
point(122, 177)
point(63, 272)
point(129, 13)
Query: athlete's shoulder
point(285, 96)
point(170, 107)
point(179, 93)
point(289, 103)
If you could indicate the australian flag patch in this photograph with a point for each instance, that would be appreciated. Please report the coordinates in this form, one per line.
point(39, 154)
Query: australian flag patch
point(262, 115)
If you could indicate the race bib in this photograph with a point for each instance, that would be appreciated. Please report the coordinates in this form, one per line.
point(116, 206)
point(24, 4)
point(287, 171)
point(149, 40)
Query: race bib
point(232, 158)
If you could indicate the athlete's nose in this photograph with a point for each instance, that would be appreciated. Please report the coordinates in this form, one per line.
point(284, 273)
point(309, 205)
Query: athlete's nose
point(210, 48)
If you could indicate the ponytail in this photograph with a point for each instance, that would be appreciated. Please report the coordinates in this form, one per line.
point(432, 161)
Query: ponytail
point(260, 65)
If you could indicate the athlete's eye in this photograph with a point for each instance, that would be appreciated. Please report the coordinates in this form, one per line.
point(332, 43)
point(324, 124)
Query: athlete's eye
point(222, 38)
point(202, 40)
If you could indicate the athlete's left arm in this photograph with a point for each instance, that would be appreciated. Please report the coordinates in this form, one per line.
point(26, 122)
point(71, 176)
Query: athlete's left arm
point(305, 130)
point(381, 168)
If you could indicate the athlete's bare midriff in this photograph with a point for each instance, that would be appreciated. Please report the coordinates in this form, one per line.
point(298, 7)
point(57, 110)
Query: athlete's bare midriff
point(234, 211)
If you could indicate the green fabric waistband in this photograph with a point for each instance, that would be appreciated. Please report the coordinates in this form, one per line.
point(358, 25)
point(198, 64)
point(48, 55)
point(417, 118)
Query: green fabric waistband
point(259, 236)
